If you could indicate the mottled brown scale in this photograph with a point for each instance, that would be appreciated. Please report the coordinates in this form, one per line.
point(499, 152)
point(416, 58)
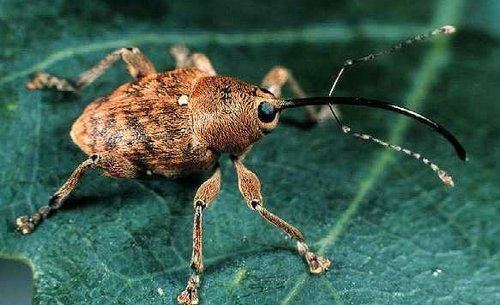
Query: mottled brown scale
point(179, 122)
point(142, 126)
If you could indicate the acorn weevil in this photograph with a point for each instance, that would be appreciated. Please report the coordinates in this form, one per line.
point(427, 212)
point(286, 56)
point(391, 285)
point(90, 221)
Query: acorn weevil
point(179, 122)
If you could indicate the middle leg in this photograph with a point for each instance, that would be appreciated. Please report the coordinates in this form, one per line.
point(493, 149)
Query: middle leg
point(204, 196)
point(184, 59)
point(249, 186)
point(277, 77)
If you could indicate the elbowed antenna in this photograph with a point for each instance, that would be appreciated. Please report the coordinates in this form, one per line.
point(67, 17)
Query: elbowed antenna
point(444, 30)
point(356, 101)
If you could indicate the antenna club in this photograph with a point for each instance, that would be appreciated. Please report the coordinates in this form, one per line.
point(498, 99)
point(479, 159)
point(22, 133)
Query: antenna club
point(443, 175)
point(448, 29)
point(348, 62)
point(346, 129)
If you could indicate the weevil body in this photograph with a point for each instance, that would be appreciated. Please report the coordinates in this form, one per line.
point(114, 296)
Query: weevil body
point(175, 123)
point(172, 124)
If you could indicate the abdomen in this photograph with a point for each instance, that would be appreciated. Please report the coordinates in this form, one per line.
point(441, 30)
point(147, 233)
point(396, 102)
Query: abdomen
point(141, 129)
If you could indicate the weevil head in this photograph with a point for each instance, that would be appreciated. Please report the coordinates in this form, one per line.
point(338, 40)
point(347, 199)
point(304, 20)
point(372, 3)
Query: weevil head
point(230, 115)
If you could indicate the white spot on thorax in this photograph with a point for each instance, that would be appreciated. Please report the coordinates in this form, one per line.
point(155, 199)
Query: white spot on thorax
point(160, 291)
point(183, 100)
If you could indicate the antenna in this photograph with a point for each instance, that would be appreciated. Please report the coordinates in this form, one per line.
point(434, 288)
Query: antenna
point(444, 30)
point(443, 175)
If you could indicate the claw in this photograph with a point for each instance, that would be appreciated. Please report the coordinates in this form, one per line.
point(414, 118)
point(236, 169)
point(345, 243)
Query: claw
point(25, 225)
point(42, 80)
point(38, 81)
point(317, 264)
point(190, 295)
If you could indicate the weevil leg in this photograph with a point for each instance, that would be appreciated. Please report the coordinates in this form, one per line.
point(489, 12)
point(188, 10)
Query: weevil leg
point(204, 196)
point(249, 186)
point(277, 77)
point(184, 59)
point(27, 224)
point(138, 66)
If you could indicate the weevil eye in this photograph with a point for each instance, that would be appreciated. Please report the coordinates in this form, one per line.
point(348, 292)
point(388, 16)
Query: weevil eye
point(267, 112)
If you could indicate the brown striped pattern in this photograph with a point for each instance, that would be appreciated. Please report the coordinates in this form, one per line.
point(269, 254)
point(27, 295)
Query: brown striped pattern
point(142, 126)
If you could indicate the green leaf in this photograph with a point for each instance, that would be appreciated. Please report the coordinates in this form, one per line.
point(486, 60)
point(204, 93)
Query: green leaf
point(394, 233)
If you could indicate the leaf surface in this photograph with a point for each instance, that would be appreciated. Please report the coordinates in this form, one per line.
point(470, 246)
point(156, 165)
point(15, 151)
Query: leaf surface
point(394, 233)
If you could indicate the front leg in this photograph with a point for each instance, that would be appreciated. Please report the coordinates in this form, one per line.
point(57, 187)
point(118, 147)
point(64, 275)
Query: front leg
point(204, 196)
point(249, 186)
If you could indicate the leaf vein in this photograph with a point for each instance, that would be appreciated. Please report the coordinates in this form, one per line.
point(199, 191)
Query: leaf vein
point(312, 33)
point(434, 60)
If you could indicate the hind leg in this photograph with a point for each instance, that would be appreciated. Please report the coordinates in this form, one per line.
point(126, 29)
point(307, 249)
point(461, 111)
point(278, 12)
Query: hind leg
point(184, 59)
point(26, 224)
point(111, 167)
point(138, 66)
point(277, 77)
